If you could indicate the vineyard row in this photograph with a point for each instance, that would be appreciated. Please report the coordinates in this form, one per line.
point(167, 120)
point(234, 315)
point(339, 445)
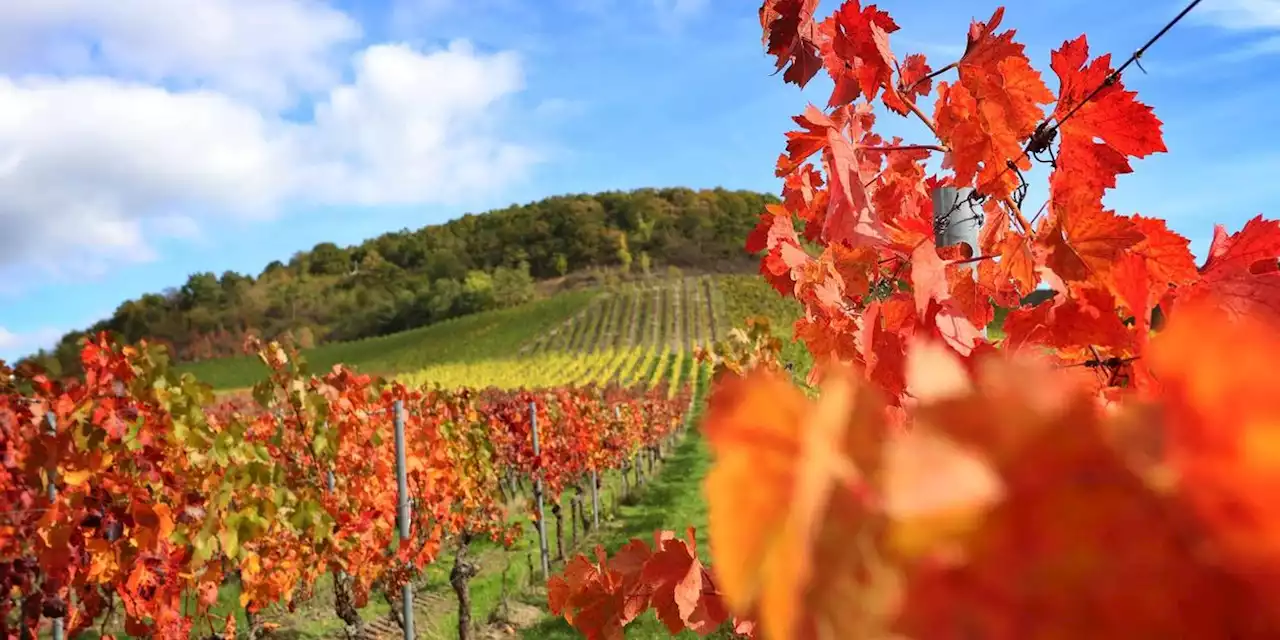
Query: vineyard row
point(132, 492)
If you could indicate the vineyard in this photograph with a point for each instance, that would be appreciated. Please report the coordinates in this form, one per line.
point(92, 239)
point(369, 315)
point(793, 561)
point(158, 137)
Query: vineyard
point(949, 416)
point(641, 333)
point(285, 520)
point(472, 338)
point(297, 490)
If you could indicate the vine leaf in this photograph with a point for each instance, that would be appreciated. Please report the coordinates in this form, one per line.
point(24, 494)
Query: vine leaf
point(994, 105)
point(1099, 136)
point(804, 463)
point(1240, 272)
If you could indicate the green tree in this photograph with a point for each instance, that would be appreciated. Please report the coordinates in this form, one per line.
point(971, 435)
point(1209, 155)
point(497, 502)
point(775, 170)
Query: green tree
point(329, 260)
point(444, 298)
point(624, 253)
point(477, 293)
point(512, 286)
point(201, 289)
point(412, 277)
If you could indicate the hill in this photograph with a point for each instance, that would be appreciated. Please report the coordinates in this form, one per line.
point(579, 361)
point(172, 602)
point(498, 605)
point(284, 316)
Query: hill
point(408, 279)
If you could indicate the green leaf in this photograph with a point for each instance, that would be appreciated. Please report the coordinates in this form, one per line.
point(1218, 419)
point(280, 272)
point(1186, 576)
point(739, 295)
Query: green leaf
point(231, 539)
point(320, 443)
point(203, 547)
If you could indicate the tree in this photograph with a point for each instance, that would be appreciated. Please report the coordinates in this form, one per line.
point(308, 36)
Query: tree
point(624, 254)
point(512, 286)
point(273, 268)
point(201, 289)
point(553, 236)
point(444, 299)
point(477, 292)
point(645, 263)
point(329, 260)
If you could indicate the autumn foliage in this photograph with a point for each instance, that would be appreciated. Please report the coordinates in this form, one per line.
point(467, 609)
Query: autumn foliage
point(1105, 468)
point(133, 495)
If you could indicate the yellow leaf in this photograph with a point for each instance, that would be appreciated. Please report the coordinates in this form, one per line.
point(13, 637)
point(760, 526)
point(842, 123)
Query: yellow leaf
point(77, 477)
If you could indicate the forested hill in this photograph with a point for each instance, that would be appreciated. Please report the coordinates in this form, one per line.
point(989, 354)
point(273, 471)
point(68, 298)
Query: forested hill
point(411, 278)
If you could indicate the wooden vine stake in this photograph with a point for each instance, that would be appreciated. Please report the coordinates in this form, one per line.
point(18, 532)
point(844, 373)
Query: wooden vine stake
point(543, 551)
point(595, 499)
point(53, 498)
point(403, 515)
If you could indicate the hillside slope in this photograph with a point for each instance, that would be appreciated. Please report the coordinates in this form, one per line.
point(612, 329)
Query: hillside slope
point(638, 333)
point(409, 279)
point(473, 338)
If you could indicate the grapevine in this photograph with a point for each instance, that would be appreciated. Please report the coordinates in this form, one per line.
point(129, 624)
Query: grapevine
point(132, 495)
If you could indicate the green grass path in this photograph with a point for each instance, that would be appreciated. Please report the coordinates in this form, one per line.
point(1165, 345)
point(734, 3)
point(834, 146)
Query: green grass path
point(673, 500)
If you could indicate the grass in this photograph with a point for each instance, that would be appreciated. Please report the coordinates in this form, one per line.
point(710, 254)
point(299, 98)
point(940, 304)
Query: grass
point(481, 336)
point(671, 500)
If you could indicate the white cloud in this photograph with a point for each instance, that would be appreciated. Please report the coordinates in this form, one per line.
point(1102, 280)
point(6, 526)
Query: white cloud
point(87, 160)
point(414, 127)
point(13, 344)
point(90, 167)
point(1262, 16)
point(1241, 14)
point(265, 51)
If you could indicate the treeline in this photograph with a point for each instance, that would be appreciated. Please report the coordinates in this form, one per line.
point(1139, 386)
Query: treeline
point(407, 279)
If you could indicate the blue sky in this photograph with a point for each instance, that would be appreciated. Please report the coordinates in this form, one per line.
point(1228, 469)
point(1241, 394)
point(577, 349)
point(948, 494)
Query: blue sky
point(145, 141)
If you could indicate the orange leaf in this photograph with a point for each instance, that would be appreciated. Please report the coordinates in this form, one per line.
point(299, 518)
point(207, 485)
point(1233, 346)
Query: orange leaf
point(1223, 438)
point(1058, 555)
point(1083, 242)
point(993, 106)
point(799, 460)
point(1098, 137)
point(1239, 273)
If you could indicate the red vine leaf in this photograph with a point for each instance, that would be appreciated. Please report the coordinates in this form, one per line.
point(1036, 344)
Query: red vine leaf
point(913, 80)
point(1167, 254)
point(858, 58)
point(790, 35)
point(1099, 136)
point(1240, 271)
point(994, 105)
point(1083, 242)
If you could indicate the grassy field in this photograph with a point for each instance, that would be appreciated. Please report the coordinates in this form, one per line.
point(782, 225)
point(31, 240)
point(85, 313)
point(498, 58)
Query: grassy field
point(617, 334)
point(639, 333)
